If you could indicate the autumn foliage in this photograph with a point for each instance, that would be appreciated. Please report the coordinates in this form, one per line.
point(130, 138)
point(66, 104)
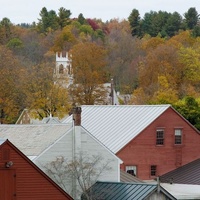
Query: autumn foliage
point(155, 60)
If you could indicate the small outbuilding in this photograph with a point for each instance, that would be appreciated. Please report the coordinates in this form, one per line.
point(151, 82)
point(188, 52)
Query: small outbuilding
point(21, 179)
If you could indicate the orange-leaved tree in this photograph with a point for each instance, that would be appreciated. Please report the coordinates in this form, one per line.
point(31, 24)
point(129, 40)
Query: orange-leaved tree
point(88, 63)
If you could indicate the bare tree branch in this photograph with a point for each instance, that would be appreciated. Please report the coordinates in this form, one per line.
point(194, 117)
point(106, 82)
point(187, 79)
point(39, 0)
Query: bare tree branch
point(84, 170)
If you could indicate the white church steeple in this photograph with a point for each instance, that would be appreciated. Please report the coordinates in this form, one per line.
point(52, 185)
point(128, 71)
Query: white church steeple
point(63, 70)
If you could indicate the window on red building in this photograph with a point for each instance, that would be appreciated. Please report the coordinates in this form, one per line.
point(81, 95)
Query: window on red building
point(131, 170)
point(153, 170)
point(178, 136)
point(160, 136)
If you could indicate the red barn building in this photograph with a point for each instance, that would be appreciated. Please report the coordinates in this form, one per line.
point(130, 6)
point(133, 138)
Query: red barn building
point(151, 140)
point(21, 179)
point(165, 144)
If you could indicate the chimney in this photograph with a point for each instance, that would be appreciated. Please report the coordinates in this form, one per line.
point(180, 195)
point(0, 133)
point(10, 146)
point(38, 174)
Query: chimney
point(158, 186)
point(77, 116)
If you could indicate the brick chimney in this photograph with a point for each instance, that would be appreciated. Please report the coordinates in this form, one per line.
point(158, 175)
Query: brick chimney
point(77, 116)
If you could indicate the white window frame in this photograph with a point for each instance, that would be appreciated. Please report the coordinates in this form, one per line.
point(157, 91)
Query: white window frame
point(178, 136)
point(133, 167)
point(163, 138)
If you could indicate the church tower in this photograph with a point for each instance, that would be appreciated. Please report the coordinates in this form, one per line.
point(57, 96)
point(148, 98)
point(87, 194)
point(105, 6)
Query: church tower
point(63, 71)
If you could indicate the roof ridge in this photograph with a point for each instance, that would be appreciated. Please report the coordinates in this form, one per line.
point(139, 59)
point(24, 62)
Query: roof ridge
point(157, 105)
point(128, 183)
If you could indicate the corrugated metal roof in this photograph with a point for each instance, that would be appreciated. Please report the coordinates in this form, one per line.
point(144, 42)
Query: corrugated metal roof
point(83, 130)
point(116, 125)
point(121, 191)
point(186, 174)
point(33, 139)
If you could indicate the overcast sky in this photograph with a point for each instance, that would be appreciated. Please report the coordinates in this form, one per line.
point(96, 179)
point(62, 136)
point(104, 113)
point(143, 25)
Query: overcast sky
point(27, 11)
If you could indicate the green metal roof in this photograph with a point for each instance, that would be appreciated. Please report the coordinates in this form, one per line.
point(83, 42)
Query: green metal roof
point(121, 191)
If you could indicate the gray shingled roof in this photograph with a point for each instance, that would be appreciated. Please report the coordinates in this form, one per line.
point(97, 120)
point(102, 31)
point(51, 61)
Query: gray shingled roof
point(186, 174)
point(2, 141)
point(33, 139)
point(115, 125)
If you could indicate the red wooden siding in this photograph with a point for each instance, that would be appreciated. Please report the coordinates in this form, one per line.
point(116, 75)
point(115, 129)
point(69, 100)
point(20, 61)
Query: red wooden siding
point(143, 152)
point(28, 181)
point(7, 184)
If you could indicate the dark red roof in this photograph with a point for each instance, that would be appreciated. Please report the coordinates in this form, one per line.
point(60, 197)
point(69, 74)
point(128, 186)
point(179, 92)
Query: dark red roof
point(186, 174)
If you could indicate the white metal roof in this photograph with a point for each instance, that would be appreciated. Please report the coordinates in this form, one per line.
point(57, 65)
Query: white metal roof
point(116, 125)
point(182, 191)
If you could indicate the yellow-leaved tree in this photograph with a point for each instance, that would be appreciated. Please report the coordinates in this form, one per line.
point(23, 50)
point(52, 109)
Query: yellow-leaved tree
point(64, 39)
point(44, 98)
point(190, 59)
point(165, 94)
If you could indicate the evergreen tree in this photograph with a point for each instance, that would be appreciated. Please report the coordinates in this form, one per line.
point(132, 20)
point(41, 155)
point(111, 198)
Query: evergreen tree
point(63, 15)
point(81, 19)
point(196, 31)
point(191, 18)
point(5, 30)
point(173, 24)
point(134, 20)
point(48, 21)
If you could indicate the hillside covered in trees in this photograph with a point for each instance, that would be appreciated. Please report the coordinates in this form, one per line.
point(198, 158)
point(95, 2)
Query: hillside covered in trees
point(155, 59)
